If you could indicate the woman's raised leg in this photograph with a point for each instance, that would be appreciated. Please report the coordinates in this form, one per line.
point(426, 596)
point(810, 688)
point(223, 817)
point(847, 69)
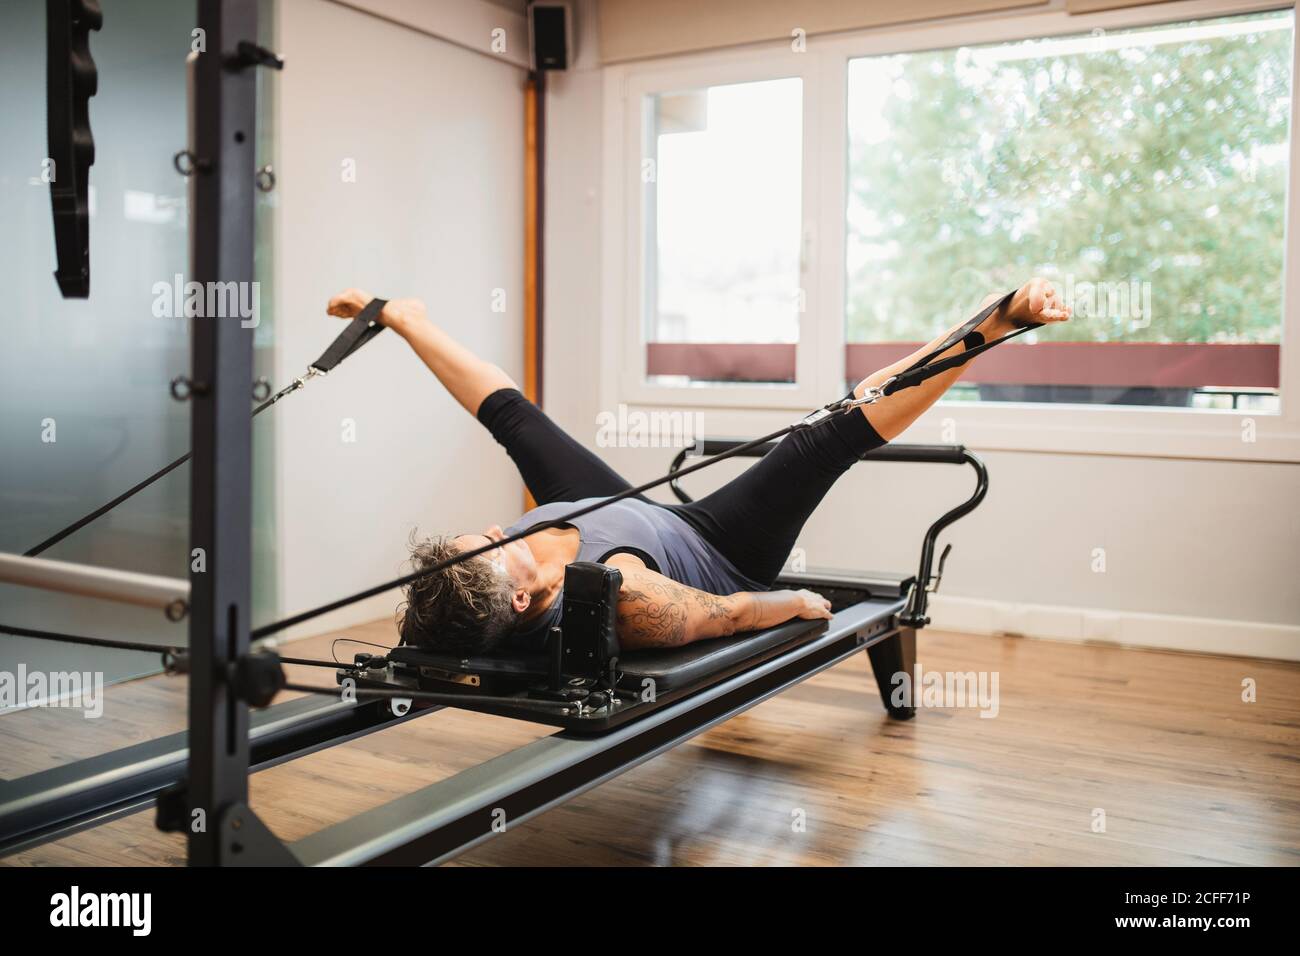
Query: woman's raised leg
point(755, 518)
point(1036, 301)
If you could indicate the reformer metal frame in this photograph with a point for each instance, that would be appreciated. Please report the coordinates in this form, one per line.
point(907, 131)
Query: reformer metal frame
point(63, 800)
point(927, 575)
point(447, 818)
point(223, 745)
point(55, 803)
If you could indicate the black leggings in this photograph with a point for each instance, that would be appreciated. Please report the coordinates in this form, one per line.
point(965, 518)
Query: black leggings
point(753, 519)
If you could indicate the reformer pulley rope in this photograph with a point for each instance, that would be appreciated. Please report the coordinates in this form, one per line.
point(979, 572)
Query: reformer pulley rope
point(365, 326)
point(357, 333)
point(914, 375)
point(108, 642)
point(59, 637)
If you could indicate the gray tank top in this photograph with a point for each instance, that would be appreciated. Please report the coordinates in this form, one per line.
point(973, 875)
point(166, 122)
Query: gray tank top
point(656, 535)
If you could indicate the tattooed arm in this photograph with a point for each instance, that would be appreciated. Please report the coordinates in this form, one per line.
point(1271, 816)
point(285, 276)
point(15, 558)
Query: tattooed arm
point(656, 611)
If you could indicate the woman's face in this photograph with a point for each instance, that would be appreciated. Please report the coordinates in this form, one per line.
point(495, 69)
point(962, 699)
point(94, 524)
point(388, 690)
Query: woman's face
point(515, 559)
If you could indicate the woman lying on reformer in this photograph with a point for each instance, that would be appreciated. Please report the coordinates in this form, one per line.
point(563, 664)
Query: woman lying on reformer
point(690, 571)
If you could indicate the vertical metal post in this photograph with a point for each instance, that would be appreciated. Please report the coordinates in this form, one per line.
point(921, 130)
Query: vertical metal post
point(221, 511)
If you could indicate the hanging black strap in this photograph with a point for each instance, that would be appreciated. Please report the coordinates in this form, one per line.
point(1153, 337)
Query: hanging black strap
point(70, 82)
point(358, 332)
point(926, 368)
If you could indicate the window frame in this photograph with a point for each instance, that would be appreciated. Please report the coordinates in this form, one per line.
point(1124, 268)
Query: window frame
point(673, 77)
point(1032, 427)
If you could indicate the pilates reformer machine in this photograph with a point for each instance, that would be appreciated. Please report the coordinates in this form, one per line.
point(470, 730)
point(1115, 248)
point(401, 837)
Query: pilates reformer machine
point(612, 710)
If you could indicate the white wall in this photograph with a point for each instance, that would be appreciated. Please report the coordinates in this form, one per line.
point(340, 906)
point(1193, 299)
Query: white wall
point(1201, 555)
point(436, 212)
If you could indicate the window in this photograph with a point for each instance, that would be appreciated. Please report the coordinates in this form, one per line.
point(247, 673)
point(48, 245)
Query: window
point(722, 198)
point(1143, 170)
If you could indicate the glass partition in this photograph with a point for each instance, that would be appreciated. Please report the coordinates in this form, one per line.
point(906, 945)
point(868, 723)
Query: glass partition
point(86, 411)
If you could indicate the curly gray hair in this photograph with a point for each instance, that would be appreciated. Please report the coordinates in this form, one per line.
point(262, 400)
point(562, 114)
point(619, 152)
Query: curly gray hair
point(465, 609)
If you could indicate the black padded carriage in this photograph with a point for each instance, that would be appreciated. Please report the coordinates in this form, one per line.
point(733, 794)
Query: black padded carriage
point(649, 678)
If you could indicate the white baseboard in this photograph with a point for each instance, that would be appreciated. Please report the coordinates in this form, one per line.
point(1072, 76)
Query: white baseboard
point(1128, 628)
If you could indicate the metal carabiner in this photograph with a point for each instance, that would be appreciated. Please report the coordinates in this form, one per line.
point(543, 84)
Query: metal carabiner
point(871, 395)
point(312, 372)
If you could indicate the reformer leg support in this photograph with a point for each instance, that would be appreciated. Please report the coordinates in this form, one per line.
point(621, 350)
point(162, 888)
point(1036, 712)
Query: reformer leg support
point(894, 655)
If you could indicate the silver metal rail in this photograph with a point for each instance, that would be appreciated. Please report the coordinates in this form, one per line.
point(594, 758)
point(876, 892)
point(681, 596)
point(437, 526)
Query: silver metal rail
point(127, 587)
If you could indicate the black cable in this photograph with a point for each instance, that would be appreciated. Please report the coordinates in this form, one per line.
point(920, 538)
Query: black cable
point(308, 662)
point(361, 693)
point(161, 473)
point(364, 327)
point(277, 626)
point(114, 644)
point(352, 640)
point(91, 641)
point(926, 367)
point(914, 375)
point(80, 523)
point(918, 374)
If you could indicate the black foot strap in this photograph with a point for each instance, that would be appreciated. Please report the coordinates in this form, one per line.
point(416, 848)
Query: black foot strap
point(70, 82)
point(926, 367)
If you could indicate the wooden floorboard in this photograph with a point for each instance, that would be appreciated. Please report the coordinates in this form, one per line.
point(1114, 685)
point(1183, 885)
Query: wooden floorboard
point(1161, 743)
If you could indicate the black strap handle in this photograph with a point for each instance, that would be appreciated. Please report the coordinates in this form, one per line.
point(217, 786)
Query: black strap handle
point(358, 332)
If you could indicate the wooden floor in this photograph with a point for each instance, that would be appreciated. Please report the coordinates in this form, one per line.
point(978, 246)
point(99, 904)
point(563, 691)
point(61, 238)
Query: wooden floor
point(1160, 743)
